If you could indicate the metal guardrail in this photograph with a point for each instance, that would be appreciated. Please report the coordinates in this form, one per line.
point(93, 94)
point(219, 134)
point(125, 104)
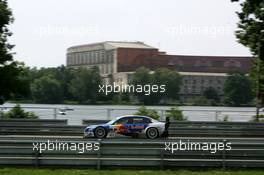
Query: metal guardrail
point(135, 153)
point(93, 122)
point(244, 129)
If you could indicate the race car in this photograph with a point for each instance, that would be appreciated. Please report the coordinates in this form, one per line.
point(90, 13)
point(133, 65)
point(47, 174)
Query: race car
point(132, 125)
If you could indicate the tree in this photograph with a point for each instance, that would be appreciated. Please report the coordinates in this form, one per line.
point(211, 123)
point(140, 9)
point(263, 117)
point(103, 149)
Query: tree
point(251, 25)
point(18, 112)
point(251, 34)
point(84, 87)
point(176, 114)
point(47, 90)
point(143, 77)
point(237, 89)
point(64, 75)
point(24, 79)
point(171, 79)
point(9, 69)
point(211, 94)
point(143, 111)
point(257, 76)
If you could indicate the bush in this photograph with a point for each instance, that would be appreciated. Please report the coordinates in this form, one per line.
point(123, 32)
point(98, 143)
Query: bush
point(176, 114)
point(148, 112)
point(254, 118)
point(211, 94)
point(1, 114)
point(225, 119)
point(18, 112)
point(202, 101)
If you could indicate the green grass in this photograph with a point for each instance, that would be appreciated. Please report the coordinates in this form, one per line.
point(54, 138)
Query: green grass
point(31, 171)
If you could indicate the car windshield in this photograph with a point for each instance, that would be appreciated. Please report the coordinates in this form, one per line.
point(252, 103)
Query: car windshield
point(112, 121)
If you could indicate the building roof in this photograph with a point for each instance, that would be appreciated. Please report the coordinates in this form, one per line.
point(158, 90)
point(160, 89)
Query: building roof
point(108, 45)
point(122, 44)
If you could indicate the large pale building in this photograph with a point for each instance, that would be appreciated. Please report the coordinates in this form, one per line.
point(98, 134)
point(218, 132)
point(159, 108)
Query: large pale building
point(108, 56)
point(118, 61)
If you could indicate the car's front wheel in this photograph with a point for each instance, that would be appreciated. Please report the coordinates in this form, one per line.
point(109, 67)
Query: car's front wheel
point(152, 133)
point(100, 132)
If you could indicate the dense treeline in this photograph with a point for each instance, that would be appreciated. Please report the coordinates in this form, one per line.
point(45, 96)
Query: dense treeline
point(68, 85)
point(61, 84)
point(81, 86)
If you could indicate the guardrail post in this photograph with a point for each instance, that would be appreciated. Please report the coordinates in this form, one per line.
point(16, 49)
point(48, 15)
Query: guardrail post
point(224, 155)
point(162, 117)
point(161, 159)
point(99, 155)
point(36, 162)
point(55, 113)
point(1, 113)
point(216, 115)
point(109, 114)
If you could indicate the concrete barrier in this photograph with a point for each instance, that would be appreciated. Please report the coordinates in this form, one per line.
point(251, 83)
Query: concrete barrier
point(32, 122)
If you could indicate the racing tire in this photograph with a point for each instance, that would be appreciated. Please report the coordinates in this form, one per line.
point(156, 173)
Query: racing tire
point(152, 133)
point(100, 133)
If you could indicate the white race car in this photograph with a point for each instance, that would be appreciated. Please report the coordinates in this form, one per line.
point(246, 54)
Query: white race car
point(130, 125)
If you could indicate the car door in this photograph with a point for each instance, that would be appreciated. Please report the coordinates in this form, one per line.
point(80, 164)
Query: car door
point(122, 125)
point(138, 125)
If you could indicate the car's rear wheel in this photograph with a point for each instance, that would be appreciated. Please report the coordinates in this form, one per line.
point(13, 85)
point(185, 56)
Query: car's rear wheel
point(100, 132)
point(152, 133)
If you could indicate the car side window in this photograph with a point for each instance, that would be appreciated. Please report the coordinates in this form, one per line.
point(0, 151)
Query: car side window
point(146, 120)
point(124, 121)
point(138, 120)
point(121, 121)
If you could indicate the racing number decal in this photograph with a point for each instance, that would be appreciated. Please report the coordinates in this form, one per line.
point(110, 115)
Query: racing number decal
point(136, 127)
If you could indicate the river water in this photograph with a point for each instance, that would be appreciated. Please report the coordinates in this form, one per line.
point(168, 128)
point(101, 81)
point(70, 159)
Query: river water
point(81, 112)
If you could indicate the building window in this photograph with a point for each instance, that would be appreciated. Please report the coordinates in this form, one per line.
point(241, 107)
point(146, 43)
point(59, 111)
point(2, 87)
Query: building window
point(89, 58)
point(111, 69)
point(185, 89)
point(103, 57)
point(107, 68)
point(85, 58)
point(193, 89)
point(82, 58)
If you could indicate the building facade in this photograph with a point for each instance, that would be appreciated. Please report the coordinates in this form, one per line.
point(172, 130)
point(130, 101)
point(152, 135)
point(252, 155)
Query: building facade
point(117, 61)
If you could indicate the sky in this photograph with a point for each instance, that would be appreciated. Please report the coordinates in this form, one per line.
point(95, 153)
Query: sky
point(44, 29)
